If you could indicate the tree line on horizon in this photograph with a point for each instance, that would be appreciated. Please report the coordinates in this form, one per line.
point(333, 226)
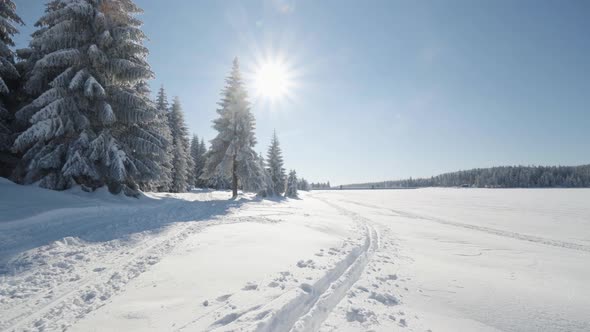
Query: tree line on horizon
point(76, 108)
point(497, 177)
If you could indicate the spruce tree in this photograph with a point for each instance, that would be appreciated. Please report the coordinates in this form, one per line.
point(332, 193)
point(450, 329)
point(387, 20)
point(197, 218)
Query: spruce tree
point(203, 154)
point(162, 126)
point(275, 165)
point(303, 185)
point(154, 168)
point(232, 153)
point(182, 164)
point(198, 151)
point(291, 190)
point(194, 151)
point(87, 58)
point(267, 189)
point(8, 80)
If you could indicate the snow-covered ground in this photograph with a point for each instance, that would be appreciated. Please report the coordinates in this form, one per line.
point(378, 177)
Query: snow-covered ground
point(391, 260)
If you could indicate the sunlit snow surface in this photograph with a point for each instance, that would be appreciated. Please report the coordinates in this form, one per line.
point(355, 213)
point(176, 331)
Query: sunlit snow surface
point(391, 260)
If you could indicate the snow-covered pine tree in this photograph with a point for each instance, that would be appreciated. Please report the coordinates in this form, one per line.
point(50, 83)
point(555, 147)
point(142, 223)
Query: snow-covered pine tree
point(291, 190)
point(8, 80)
point(154, 167)
point(88, 59)
point(267, 188)
point(302, 184)
point(198, 151)
point(162, 126)
point(232, 150)
point(203, 153)
point(194, 150)
point(275, 165)
point(182, 163)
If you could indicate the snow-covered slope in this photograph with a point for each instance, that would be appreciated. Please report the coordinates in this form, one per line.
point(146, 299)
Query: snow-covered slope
point(415, 260)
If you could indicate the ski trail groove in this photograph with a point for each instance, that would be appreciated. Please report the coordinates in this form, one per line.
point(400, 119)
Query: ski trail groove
point(62, 303)
point(489, 230)
point(309, 309)
point(70, 299)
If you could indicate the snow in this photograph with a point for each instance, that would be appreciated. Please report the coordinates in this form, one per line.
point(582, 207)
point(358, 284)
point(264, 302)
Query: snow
point(381, 260)
point(469, 259)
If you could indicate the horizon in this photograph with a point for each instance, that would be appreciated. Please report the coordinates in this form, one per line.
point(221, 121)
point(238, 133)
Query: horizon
point(462, 170)
point(408, 90)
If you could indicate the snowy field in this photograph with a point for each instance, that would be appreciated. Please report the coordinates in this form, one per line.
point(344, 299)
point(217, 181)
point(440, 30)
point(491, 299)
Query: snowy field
point(391, 260)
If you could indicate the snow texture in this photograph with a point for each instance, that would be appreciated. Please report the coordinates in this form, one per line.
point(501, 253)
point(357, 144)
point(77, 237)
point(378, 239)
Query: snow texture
point(392, 260)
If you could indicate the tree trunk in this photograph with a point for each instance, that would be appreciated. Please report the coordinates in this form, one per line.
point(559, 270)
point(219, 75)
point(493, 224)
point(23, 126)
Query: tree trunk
point(234, 184)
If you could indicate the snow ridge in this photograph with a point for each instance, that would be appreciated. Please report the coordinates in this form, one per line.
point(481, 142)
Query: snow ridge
point(312, 304)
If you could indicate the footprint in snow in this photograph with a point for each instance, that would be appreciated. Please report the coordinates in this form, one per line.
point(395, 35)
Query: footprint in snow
point(250, 286)
point(360, 315)
point(402, 323)
point(386, 299)
point(223, 298)
point(309, 263)
point(306, 288)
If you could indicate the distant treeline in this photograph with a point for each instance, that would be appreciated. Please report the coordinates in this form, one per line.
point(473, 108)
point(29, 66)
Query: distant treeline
point(320, 185)
point(497, 177)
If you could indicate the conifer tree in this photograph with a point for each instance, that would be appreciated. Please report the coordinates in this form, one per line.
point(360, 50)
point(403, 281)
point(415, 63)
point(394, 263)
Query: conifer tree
point(303, 185)
point(155, 174)
point(8, 79)
point(182, 163)
point(291, 190)
point(203, 152)
point(87, 58)
point(162, 126)
point(232, 150)
point(275, 165)
point(267, 188)
point(198, 151)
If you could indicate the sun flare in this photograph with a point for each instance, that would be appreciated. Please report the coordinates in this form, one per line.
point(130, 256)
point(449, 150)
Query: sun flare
point(272, 80)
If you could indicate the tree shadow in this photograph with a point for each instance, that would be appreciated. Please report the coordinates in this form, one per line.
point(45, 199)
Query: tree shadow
point(102, 218)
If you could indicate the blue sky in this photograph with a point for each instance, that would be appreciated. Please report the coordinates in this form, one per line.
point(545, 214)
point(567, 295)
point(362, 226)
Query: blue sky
point(386, 89)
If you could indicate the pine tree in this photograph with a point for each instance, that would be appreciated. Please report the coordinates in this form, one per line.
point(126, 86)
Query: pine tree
point(162, 126)
point(194, 151)
point(203, 154)
point(198, 151)
point(275, 165)
point(182, 163)
point(8, 79)
point(291, 190)
point(87, 58)
point(302, 184)
point(232, 153)
point(267, 188)
point(156, 166)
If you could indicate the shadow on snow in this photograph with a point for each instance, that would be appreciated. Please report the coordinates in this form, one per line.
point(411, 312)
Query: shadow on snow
point(93, 217)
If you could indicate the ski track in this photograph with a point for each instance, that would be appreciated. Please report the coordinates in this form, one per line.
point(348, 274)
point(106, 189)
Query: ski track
point(112, 278)
point(75, 300)
point(308, 306)
point(489, 230)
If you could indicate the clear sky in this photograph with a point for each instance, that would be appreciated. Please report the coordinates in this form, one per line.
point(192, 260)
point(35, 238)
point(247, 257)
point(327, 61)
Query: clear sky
point(385, 89)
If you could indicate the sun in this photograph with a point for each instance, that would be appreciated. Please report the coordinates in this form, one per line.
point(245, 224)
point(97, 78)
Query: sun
point(271, 80)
